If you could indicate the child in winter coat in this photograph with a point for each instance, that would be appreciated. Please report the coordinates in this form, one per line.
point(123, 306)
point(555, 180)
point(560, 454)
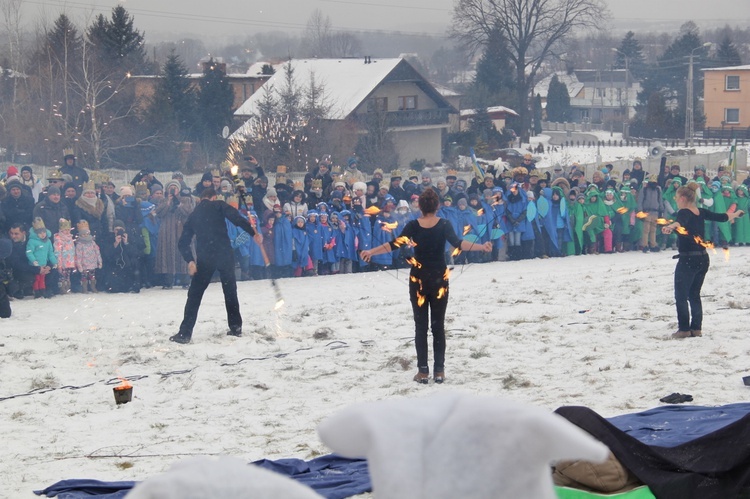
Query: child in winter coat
point(88, 257)
point(65, 252)
point(40, 253)
point(301, 247)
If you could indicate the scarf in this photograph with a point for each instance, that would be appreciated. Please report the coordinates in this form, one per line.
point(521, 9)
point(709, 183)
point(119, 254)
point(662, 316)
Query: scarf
point(93, 206)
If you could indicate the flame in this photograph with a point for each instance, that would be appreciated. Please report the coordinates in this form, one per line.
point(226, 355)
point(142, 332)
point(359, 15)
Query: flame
point(413, 262)
point(372, 210)
point(456, 252)
point(622, 210)
point(402, 240)
point(641, 214)
point(705, 244)
point(467, 229)
point(681, 231)
point(278, 305)
point(124, 384)
point(388, 227)
point(441, 293)
point(447, 274)
point(663, 221)
point(726, 254)
point(413, 279)
point(480, 212)
point(420, 299)
point(234, 170)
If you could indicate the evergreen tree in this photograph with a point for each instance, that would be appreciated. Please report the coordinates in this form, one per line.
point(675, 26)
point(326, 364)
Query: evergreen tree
point(172, 108)
point(213, 109)
point(727, 54)
point(558, 101)
point(537, 125)
point(630, 55)
point(289, 95)
point(493, 81)
point(118, 43)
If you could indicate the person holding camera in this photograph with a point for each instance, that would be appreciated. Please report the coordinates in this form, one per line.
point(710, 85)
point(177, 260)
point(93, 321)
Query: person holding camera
point(120, 261)
point(213, 252)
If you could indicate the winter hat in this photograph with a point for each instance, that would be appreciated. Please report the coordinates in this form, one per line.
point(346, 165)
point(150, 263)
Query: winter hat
point(404, 204)
point(323, 214)
point(126, 190)
point(322, 204)
point(64, 224)
point(6, 248)
point(339, 184)
point(206, 176)
point(426, 174)
point(351, 161)
point(119, 223)
point(462, 203)
point(12, 182)
point(337, 195)
point(12, 171)
point(359, 186)
point(487, 193)
point(225, 183)
point(52, 190)
point(300, 217)
point(186, 192)
point(446, 198)
point(27, 168)
point(271, 192)
point(147, 208)
point(312, 213)
point(69, 185)
point(177, 176)
point(389, 199)
point(171, 184)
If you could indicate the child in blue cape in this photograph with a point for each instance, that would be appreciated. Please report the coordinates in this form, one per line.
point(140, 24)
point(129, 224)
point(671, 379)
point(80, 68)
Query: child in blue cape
point(300, 247)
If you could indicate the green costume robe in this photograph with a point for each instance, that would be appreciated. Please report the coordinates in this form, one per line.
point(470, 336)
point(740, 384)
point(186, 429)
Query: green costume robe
point(577, 219)
point(741, 225)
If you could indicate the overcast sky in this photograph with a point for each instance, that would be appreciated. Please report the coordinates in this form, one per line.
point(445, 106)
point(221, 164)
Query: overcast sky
point(236, 17)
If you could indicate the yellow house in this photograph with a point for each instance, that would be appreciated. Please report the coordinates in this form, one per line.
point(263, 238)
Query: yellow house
point(726, 101)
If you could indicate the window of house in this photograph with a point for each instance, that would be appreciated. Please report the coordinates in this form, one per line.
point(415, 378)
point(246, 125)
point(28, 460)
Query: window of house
point(732, 116)
point(732, 82)
point(601, 92)
point(377, 104)
point(407, 102)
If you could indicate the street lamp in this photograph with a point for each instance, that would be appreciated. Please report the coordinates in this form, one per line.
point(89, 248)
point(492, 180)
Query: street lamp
point(689, 121)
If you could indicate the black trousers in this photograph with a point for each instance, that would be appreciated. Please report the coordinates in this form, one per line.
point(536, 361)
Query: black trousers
point(688, 280)
point(431, 313)
point(224, 264)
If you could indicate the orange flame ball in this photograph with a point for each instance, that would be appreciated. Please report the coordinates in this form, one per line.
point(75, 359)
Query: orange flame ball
point(622, 210)
point(124, 384)
point(641, 214)
point(441, 293)
point(682, 231)
point(456, 252)
point(420, 299)
point(467, 229)
point(447, 274)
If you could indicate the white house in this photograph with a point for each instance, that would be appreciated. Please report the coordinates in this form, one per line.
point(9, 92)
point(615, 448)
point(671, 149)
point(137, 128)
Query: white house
point(416, 114)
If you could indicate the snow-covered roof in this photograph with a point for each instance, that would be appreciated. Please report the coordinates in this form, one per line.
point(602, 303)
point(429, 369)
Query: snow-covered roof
point(746, 67)
point(571, 82)
point(445, 91)
point(347, 82)
point(492, 109)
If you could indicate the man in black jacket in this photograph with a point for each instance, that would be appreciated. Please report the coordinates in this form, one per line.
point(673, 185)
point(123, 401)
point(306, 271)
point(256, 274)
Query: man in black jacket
point(23, 272)
point(214, 252)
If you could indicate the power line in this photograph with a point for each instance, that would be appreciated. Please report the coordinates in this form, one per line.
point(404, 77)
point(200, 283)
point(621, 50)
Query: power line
point(387, 5)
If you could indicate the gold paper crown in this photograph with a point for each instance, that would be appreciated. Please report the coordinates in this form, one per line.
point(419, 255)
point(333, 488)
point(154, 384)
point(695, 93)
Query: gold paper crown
point(89, 186)
point(298, 185)
point(38, 224)
point(98, 177)
point(68, 151)
point(378, 170)
point(141, 189)
point(54, 174)
point(412, 173)
point(451, 173)
point(385, 185)
point(280, 178)
point(82, 225)
point(64, 224)
point(215, 172)
point(336, 170)
point(281, 169)
point(395, 174)
point(317, 183)
point(233, 201)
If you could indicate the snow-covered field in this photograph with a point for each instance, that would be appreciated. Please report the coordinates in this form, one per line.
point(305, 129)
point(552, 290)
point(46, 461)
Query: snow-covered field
point(587, 330)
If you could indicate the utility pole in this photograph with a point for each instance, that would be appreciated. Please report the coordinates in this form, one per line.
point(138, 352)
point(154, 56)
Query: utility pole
point(689, 123)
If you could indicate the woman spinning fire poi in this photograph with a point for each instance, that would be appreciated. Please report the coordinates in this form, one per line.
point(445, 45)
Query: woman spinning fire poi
point(693, 259)
point(428, 282)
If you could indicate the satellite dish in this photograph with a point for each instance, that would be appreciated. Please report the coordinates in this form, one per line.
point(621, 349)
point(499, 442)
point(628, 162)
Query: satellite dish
point(225, 132)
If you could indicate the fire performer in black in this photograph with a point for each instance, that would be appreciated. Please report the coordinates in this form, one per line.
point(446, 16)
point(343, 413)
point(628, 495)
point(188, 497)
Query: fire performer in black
point(693, 261)
point(428, 281)
point(214, 253)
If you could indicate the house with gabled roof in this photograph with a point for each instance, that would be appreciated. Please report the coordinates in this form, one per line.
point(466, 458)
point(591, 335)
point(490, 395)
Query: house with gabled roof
point(415, 113)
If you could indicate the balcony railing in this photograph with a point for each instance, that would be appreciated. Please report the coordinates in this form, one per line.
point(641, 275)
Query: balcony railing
point(726, 133)
point(416, 117)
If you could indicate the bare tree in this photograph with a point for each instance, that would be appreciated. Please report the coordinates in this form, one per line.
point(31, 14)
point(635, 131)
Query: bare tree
point(318, 33)
point(534, 30)
point(345, 44)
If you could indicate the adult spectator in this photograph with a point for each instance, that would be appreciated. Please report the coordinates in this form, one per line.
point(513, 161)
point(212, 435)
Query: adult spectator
point(173, 211)
point(77, 174)
point(51, 209)
point(18, 206)
point(650, 201)
point(29, 180)
point(395, 190)
point(23, 272)
point(90, 208)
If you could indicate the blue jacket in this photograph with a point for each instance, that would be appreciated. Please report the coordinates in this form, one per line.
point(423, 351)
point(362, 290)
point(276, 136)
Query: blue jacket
point(40, 252)
point(282, 242)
